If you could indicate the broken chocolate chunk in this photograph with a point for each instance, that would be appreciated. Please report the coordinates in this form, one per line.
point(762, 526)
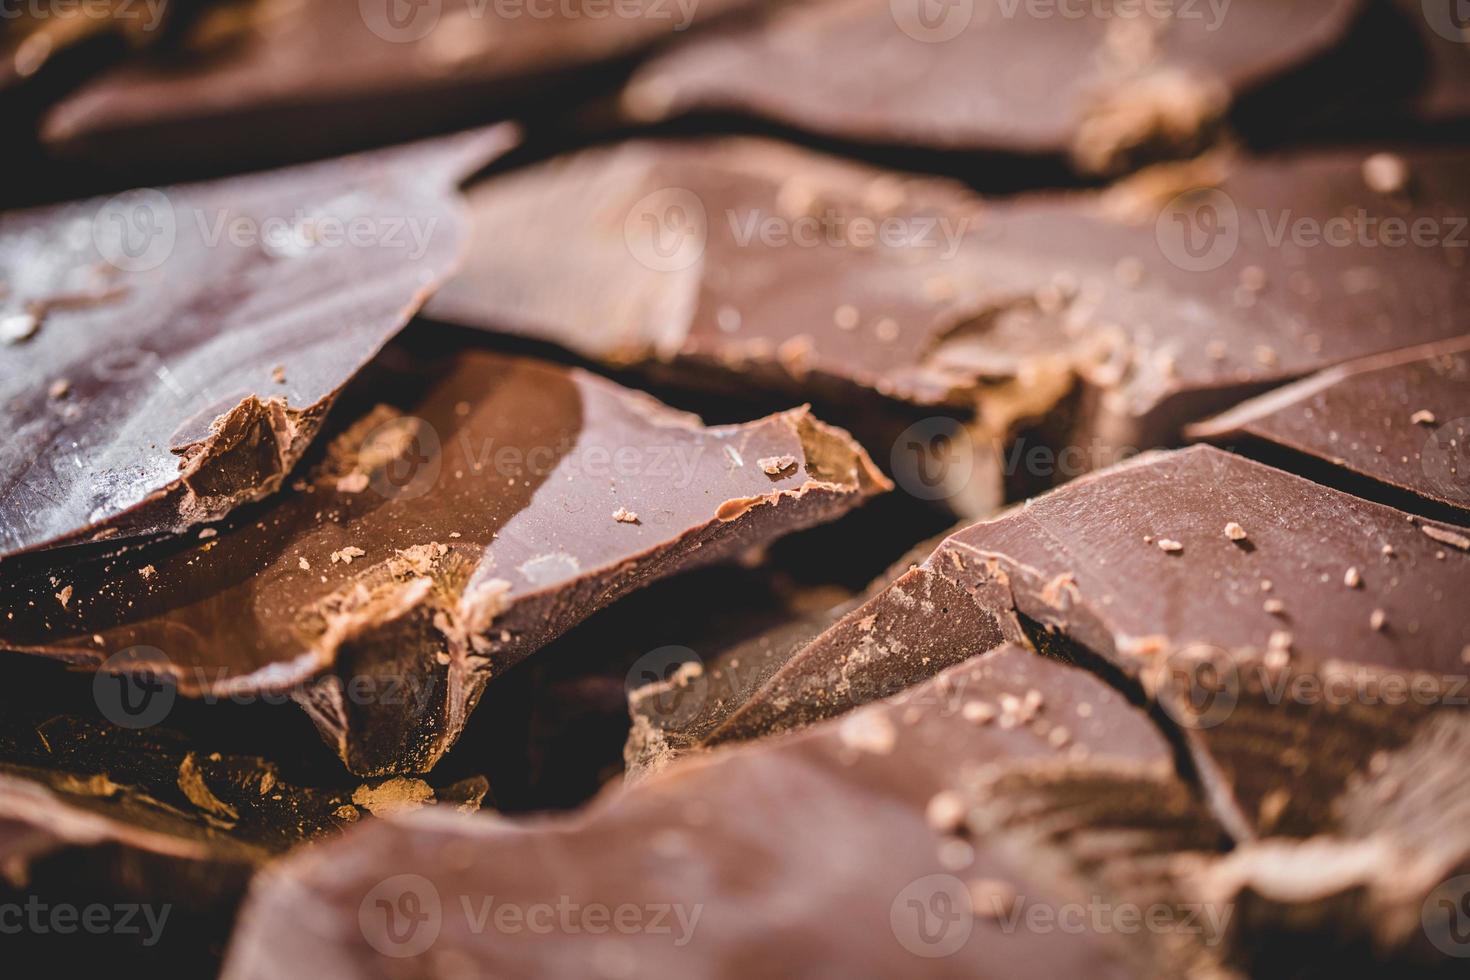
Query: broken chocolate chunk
point(812, 666)
point(1400, 421)
point(1258, 650)
point(433, 542)
point(181, 346)
point(868, 814)
point(984, 75)
point(265, 82)
point(1115, 317)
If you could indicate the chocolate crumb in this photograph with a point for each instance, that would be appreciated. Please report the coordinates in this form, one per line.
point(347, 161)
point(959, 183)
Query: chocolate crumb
point(1446, 536)
point(64, 596)
point(776, 465)
point(147, 571)
point(1386, 173)
point(346, 555)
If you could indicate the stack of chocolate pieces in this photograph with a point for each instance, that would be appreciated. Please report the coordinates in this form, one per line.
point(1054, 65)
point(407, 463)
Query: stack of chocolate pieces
point(825, 488)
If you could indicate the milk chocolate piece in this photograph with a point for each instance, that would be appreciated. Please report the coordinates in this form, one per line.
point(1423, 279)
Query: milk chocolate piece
point(435, 541)
point(1285, 628)
point(1400, 420)
point(169, 354)
point(748, 853)
point(267, 82)
point(1118, 317)
point(983, 75)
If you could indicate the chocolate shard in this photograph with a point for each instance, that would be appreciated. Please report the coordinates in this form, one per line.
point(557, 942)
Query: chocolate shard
point(1266, 614)
point(1400, 421)
point(867, 814)
point(1116, 317)
point(170, 353)
point(912, 623)
point(265, 82)
point(981, 76)
point(433, 542)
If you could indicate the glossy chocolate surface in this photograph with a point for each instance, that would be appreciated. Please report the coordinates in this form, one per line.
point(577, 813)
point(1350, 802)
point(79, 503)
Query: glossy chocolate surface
point(1401, 420)
point(173, 351)
point(438, 538)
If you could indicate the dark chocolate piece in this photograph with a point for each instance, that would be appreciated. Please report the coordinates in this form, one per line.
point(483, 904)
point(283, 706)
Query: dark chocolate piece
point(1158, 302)
point(270, 81)
point(1289, 630)
point(1401, 420)
point(913, 624)
point(984, 75)
point(439, 538)
point(747, 853)
point(169, 354)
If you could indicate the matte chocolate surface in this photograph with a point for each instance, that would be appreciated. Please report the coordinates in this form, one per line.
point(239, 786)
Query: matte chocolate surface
point(750, 852)
point(1173, 295)
point(437, 539)
point(1400, 419)
point(276, 80)
point(989, 75)
point(169, 354)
